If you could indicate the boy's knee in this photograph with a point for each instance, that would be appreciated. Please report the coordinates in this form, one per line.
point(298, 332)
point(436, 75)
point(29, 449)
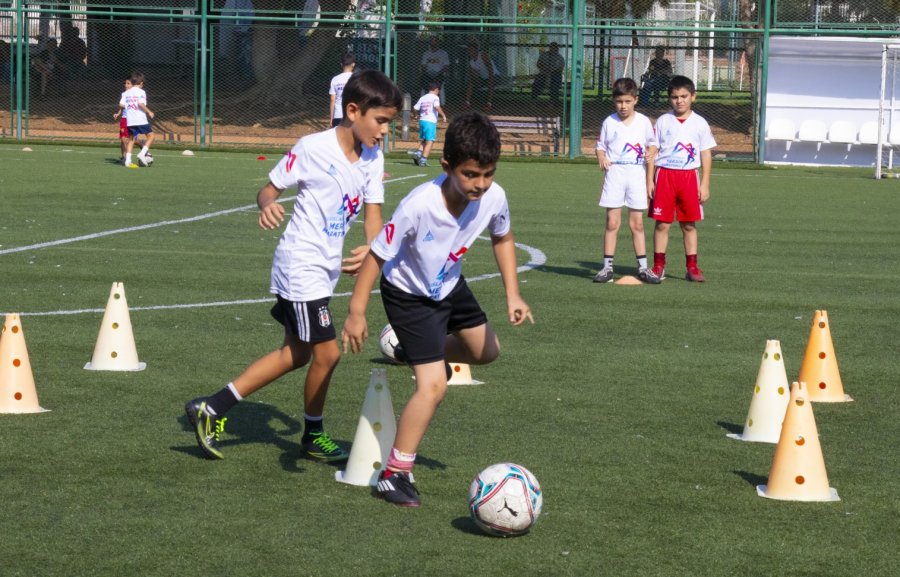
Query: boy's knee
point(490, 352)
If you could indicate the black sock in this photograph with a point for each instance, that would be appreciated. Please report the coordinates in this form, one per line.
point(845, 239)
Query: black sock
point(312, 425)
point(222, 402)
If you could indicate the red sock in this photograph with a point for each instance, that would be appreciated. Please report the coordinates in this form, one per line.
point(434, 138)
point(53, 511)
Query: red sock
point(659, 259)
point(691, 260)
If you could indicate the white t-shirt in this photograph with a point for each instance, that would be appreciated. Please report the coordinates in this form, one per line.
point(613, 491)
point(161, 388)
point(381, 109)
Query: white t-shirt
point(434, 61)
point(330, 195)
point(423, 243)
point(337, 89)
point(626, 143)
point(427, 107)
point(124, 110)
point(130, 99)
point(680, 143)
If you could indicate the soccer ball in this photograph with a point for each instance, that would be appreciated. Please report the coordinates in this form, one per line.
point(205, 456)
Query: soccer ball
point(387, 342)
point(505, 500)
point(148, 159)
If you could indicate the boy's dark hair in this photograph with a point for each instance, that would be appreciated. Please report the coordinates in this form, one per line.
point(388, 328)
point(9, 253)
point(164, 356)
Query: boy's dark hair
point(137, 78)
point(371, 89)
point(677, 82)
point(433, 85)
point(471, 136)
point(625, 87)
point(347, 59)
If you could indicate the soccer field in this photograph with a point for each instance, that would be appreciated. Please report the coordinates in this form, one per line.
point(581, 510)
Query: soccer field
point(618, 399)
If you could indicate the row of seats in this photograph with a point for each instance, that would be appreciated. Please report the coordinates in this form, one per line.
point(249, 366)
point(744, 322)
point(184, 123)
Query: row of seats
point(841, 132)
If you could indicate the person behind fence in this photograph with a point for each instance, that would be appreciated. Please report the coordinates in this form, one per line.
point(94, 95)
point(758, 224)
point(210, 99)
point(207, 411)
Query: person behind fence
point(72, 51)
point(673, 185)
point(337, 173)
point(550, 66)
point(121, 115)
point(656, 78)
point(336, 88)
point(425, 296)
point(134, 103)
point(45, 64)
point(434, 66)
point(626, 139)
point(482, 74)
point(428, 107)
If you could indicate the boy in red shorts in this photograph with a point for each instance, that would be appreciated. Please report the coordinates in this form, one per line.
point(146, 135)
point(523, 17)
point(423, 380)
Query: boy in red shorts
point(674, 187)
point(120, 115)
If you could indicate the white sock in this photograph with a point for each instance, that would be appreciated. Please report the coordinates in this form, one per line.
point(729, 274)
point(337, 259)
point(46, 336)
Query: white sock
point(607, 262)
point(642, 262)
point(143, 151)
point(127, 158)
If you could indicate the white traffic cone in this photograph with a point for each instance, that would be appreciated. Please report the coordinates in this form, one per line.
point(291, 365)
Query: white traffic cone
point(374, 435)
point(770, 399)
point(462, 375)
point(115, 349)
point(17, 391)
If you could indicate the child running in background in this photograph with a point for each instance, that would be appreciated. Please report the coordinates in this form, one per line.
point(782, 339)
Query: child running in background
point(428, 107)
point(134, 102)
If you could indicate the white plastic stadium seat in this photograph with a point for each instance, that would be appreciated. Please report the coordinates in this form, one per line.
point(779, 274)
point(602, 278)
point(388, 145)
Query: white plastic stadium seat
point(842, 132)
point(894, 136)
point(781, 129)
point(868, 133)
point(813, 131)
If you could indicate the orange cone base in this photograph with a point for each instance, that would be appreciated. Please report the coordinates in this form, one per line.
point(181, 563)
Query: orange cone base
point(763, 491)
point(629, 281)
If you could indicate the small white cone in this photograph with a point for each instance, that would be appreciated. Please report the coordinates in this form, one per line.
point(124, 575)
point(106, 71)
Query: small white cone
point(462, 375)
point(374, 435)
point(187, 153)
point(27, 149)
point(771, 395)
point(115, 349)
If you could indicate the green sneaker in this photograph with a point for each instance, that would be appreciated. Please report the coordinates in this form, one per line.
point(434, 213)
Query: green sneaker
point(319, 446)
point(207, 427)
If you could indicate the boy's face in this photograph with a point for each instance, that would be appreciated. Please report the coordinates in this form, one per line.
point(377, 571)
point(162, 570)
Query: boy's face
point(681, 100)
point(625, 105)
point(128, 85)
point(469, 179)
point(371, 126)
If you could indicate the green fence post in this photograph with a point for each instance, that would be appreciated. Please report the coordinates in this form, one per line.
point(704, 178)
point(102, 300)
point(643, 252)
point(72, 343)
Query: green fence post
point(20, 47)
point(577, 98)
point(204, 9)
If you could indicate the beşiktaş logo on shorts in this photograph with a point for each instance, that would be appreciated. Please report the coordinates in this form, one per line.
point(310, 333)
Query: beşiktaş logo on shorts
point(324, 317)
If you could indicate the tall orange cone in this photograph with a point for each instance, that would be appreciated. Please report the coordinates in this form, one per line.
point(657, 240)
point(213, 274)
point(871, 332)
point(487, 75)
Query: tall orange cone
point(115, 349)
point(798, 468)
point(770, 399)
point(374, 435)
point(820, 367)
point(17, 391)
point(461, 374)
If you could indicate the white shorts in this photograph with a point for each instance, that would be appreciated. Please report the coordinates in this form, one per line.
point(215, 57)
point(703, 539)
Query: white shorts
point(625, 185)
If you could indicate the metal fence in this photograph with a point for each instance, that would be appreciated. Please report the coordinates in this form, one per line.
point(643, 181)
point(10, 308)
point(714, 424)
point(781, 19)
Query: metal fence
point(232, 72)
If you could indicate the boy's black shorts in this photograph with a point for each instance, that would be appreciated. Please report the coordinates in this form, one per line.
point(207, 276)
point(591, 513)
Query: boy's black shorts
point(311, 321)
point(422, 324)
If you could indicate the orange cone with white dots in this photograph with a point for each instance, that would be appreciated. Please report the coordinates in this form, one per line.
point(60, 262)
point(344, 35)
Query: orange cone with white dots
point(770, 399)
point(820, 367)
point(17, 391)
point(115, 349)
point(461, 374)
point(798, 468)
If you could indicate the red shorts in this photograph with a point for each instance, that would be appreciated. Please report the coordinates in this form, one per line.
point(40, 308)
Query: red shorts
point(123, 127)
point(677, 195)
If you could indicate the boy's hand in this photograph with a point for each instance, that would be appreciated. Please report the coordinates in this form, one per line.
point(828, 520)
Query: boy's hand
point(703, 193)
point(116, 115)
point(150, 114)
point(519, 311)
point(353, 263)
point(354, 333)
point(651, 189)
point(271, 216)
point(650, 154)
point(605, 164)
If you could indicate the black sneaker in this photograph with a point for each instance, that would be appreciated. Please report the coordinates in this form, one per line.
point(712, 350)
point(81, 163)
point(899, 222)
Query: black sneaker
point(319, 446)
point(648, 276)
point(402, 357)
point(207, 427)
point(397, 488)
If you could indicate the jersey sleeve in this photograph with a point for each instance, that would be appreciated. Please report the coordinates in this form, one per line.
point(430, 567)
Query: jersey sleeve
point(290, 170)
point(387, 244)
point(601, 138)
point(650, 138)
point(499, 224)
point(374, 191)
point(707, 140)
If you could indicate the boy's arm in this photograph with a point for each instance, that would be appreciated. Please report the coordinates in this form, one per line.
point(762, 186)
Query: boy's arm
point(603, 160)
point(706, 169)
point(332, 99)
point(372, 224)
point(146, 110)
point(356, 330)
point(650, 153)
point(271, 213)
point(440, 110)
point(505, 255)
point(650, 164)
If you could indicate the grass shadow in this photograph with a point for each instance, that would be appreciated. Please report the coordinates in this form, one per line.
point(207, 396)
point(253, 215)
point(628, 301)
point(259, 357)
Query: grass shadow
point(752, 478)
point(731, 427)
point(467, 525)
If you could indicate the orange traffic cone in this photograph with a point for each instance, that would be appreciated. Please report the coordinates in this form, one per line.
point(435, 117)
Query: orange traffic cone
point(17, 391)
point(462, 375)
point(820, 367)
point(798, 469)
point(115, 349)
point(770, 399)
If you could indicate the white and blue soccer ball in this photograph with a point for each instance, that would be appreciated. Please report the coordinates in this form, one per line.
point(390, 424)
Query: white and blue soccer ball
point(148, 159)
point(387, 342)
point(505, 500)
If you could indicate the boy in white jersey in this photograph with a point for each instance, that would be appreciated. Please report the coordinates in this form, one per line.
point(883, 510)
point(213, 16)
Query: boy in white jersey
point(338, 175)
point(134, 102)
point(336, 88)
point(428, 107)
point(626, 140)
point(427, 301)
point(685, 144)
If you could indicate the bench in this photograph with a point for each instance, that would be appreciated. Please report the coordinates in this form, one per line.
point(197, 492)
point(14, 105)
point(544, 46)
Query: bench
point(528, 131)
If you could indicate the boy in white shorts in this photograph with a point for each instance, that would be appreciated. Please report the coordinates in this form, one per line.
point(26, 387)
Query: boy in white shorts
point(626, 140)
point(338, 175)
point(425, 296)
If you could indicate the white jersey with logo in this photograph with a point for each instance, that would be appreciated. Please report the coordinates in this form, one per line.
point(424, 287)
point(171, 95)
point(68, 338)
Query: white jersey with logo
point(427, 107)
point(423, 244)
point(330, 195)
point(337, 89)
point(680, 143)
point(626, 143)
point(131, 99)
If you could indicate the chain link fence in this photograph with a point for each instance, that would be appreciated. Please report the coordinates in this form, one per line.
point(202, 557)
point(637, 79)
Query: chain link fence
point(241, 73)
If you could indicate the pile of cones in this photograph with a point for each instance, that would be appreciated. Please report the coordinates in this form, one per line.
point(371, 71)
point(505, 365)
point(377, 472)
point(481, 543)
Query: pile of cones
point(783, 415)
